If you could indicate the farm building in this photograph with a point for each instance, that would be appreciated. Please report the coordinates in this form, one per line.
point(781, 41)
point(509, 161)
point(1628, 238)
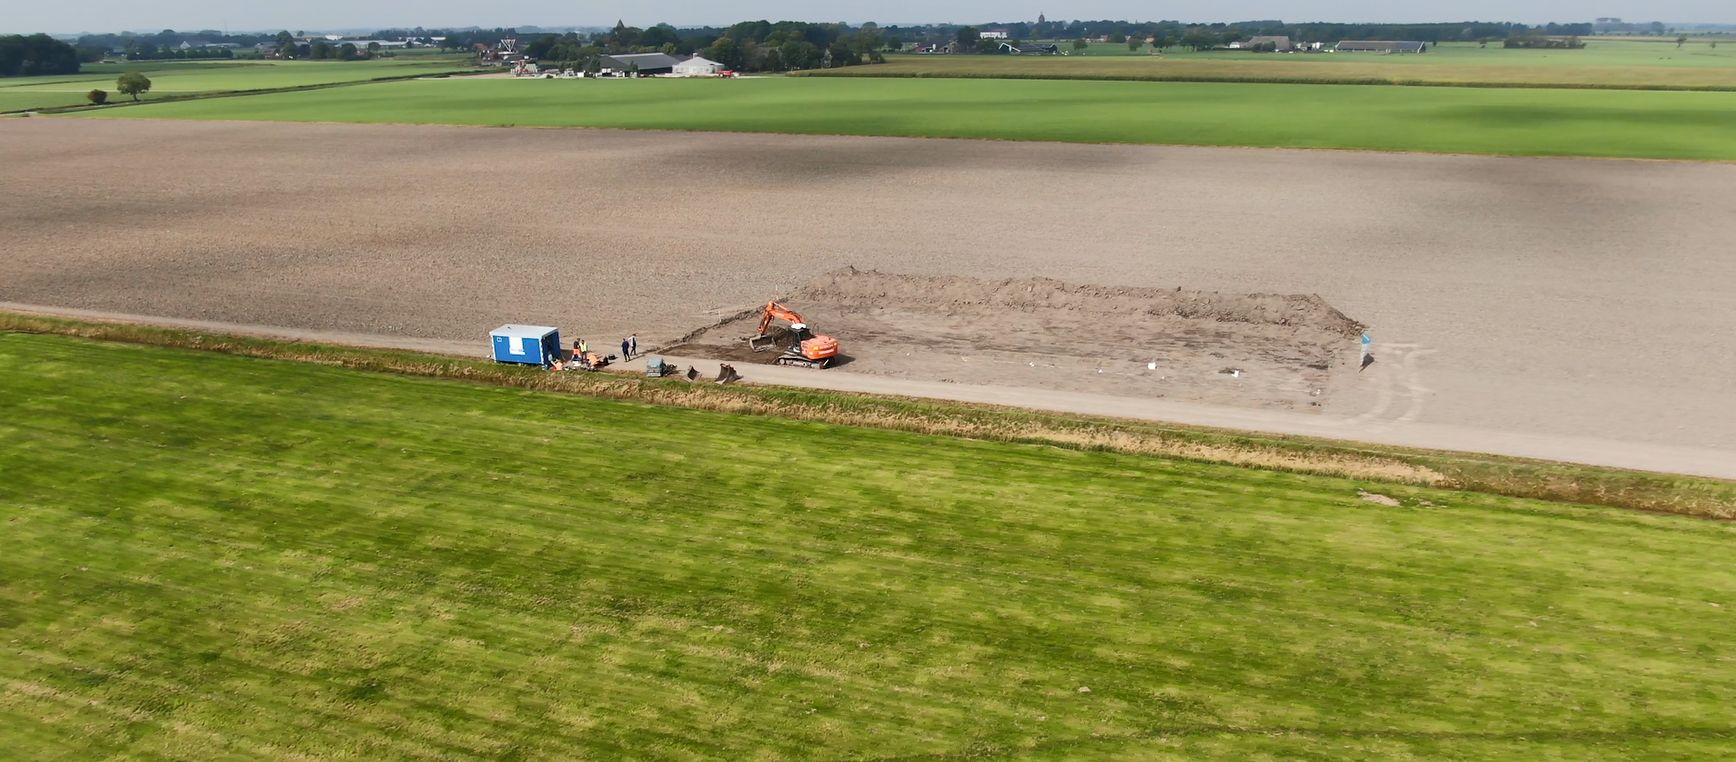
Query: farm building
point(1279, 44)
point(698, 67)
point(935, 47)
point(994, 34)
point(1381, 46)
point(644, 63)
point(1031, 49)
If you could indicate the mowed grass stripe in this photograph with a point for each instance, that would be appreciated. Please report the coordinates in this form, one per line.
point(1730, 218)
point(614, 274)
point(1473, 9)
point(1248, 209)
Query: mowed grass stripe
point(1673, 125)
point(216, 555)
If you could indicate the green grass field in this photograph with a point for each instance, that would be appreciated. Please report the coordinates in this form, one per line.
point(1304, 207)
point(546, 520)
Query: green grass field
point(1600, 65)
point(1676, 125)
point(215, 556)
point(181, 78)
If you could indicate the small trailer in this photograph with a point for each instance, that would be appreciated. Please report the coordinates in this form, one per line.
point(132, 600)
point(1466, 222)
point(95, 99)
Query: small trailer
point(526, 344)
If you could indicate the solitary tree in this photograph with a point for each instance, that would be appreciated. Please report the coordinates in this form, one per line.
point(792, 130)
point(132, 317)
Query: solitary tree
point(1080, 44)
point(97, 97)
point(134, 84)
point(1681, 39)
point(967, 37)
point(1134, 44)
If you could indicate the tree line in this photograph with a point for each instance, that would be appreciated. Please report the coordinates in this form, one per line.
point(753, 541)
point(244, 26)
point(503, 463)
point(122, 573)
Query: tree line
point(1166, 34)
point(748, 46)
point(36, 55)
point(1205, 35)
point(788, 45)
point(1535, 40)
point(165, 45)
point(754, 45)
point(154, 53)
point(323, 50)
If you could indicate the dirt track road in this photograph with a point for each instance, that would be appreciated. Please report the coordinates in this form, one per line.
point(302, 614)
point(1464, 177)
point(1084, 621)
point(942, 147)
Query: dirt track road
point(1365, 428)
point(1583, 300)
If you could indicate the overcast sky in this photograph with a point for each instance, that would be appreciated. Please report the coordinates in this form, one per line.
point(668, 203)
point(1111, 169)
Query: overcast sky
point(115, 15)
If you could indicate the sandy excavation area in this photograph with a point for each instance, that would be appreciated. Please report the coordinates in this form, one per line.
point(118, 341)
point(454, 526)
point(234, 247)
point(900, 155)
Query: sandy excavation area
point(1586, 298)
point(1258, 350)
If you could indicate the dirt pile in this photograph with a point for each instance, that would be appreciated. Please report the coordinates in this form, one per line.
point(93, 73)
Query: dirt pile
point(1259, 350)
point(870, 288)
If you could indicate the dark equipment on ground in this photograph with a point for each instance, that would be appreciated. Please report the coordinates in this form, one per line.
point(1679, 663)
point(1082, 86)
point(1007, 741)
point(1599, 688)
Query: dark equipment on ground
point(806, 350)
point(593, 361)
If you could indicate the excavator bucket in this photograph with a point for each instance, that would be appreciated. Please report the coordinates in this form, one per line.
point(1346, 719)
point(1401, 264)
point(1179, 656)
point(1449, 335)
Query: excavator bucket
point(762, 342)
point(726, 374)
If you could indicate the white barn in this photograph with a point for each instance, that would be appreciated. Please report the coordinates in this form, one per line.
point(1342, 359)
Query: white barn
point(697, 67)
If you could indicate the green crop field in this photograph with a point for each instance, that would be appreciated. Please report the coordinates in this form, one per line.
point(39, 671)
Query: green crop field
point(1680, 125)
point(180, 78)
point(1600, 65)
point(216, 556)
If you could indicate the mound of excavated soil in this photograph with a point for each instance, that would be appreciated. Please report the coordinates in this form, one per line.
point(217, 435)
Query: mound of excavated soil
point(859, 288)
point(1260, 350)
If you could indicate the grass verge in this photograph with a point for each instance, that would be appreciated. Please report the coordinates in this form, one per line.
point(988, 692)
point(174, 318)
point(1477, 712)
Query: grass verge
point(1684, 495)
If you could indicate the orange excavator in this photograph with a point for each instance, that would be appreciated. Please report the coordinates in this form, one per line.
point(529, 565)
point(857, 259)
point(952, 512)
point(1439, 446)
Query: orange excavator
point(807, 350)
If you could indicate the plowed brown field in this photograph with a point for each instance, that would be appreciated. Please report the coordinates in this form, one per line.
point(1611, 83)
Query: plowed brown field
point(1571, 297)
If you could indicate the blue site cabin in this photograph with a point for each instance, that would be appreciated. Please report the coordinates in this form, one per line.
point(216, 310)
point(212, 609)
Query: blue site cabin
point(527, 344)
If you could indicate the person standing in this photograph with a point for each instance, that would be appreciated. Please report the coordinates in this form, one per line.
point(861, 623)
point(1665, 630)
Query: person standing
point(626, 350)
point(633, 345)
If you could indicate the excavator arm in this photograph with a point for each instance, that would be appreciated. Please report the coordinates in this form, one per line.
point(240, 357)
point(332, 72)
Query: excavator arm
point(775, 311)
